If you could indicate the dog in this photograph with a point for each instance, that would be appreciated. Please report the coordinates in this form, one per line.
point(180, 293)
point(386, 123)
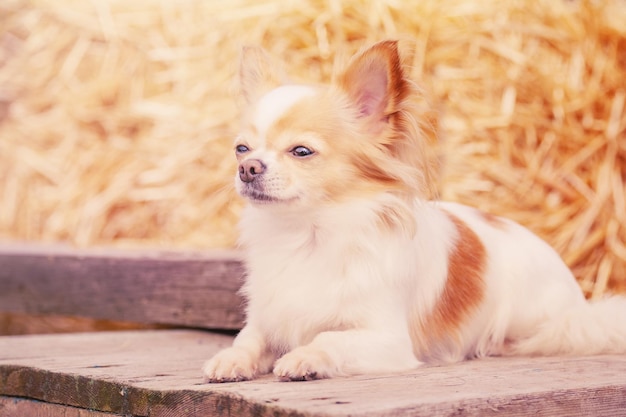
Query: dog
point(352, 269)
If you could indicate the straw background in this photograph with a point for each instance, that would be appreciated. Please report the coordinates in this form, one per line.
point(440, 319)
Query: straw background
point(117, 117)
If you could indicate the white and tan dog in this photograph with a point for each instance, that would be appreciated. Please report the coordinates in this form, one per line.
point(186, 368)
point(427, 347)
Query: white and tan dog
point(350, 269)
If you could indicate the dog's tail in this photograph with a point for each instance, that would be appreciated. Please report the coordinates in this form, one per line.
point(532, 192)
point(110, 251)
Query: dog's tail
point(589, 328)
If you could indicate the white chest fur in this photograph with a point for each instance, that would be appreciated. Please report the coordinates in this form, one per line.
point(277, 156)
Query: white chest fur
point(314, 272)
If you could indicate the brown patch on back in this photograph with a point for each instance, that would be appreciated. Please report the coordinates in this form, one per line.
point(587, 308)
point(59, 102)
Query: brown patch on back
point(463, 292)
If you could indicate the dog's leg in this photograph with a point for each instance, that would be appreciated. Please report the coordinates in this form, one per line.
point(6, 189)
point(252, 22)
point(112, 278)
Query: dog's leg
point(348, 352)
point(248, 357)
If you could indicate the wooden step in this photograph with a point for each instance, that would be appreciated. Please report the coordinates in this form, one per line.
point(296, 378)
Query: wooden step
point(180, 288)
point(157, 373)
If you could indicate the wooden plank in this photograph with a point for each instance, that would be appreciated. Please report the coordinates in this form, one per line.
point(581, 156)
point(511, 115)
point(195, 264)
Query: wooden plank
point(157, 373)
point(20, 407)
point(181, 288)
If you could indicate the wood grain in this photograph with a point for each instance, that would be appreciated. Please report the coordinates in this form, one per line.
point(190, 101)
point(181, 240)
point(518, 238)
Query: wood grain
point(179, 288)
point(157, 373)
point(20, 407)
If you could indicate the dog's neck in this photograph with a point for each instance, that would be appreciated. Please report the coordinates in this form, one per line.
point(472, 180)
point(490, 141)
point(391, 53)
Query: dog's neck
point(365, 217)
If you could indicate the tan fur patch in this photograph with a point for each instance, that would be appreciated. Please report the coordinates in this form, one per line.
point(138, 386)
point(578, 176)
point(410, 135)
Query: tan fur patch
point(461, 296)
point(349, 164)
point(492, 219)
point(397, 218)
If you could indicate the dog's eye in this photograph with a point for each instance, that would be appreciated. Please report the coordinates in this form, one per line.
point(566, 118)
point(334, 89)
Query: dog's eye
point(241, 149)
point(301, 151)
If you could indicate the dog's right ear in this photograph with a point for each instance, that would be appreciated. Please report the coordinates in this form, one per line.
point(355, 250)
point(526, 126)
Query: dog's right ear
point(257, 74)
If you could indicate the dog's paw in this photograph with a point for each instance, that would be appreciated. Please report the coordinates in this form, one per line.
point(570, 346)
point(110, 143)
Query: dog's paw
point(304, 364)
point(230, 365)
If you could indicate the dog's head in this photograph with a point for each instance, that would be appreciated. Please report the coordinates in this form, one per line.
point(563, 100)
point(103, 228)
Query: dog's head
point(308, 145)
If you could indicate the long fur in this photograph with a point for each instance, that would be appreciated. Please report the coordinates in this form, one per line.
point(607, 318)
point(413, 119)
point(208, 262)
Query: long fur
point(352, 270)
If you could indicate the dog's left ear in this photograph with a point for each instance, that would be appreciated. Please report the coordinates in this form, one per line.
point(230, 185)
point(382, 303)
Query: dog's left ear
point(374, 81)
point(257, 73)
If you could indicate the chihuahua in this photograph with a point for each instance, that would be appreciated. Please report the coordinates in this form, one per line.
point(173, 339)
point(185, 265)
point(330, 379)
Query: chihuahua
point(351, 269)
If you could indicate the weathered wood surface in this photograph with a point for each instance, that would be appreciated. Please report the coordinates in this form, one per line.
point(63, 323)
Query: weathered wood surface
point(21, 407)
point(157, 373)
point(179, 288)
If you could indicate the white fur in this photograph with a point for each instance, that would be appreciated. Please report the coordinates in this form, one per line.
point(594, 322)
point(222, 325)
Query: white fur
point(275, 103)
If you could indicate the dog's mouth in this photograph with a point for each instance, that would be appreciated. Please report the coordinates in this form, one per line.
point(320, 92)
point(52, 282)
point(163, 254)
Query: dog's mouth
point(260, 197)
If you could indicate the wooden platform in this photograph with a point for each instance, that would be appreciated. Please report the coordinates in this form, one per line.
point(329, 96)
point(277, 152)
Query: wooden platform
point(157, 373)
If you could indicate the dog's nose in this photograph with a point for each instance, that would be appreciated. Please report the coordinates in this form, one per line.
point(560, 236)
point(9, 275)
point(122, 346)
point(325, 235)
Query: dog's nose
point(250, 169)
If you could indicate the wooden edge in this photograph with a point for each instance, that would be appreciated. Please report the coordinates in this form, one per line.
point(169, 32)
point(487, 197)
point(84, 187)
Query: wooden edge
point(15, 407)
point(120, 398)
point(20, 248)
point(182, 288)
point(123, 398)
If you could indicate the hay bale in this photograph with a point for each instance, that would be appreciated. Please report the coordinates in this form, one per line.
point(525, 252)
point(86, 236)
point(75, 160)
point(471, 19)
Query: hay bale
point(117, 118)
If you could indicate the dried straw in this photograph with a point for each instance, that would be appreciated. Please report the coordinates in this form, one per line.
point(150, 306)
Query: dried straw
point(117, 117)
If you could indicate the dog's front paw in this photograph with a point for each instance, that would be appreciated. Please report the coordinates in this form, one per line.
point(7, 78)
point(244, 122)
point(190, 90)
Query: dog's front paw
point(230, 365)
point(304, 364)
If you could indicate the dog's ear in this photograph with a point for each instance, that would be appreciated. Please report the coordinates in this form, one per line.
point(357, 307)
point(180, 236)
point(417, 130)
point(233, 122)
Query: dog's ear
point(257, 74)
point(374, 81)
